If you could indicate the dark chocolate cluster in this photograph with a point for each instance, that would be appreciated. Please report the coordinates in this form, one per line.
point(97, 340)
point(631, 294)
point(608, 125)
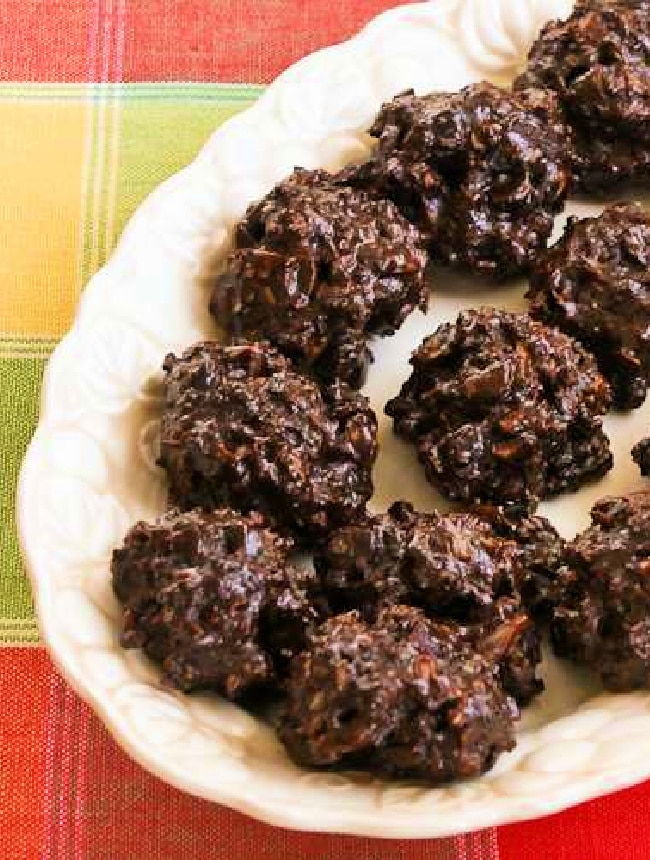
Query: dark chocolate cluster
point(595, 285)
point(403, 696)
point(241, 428)
point(482, 172)
point(503, 409)
point(317, 269)
point(598, 64)
point(641, 456)
point(602, 619)
point(212, 598)
point(482, 570)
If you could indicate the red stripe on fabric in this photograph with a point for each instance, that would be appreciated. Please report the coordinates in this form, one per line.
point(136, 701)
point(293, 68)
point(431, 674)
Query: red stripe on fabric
point(59, 42)
point(115, 809)
point(616, 827)
point(25, 675)
point(44, 42)
point(64, 778)
point(101, 805)
point(129, 813)
point(460, 848)
point(120, 36)
point(64, 763)
point(80, 842)
point(481, 845)
point(488, 847)
point(93, 40)
point(239, 41)
point(235, 41)
point(50, 788)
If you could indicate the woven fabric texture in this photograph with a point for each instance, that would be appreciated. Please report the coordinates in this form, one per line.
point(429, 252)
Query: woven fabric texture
point(90, 121)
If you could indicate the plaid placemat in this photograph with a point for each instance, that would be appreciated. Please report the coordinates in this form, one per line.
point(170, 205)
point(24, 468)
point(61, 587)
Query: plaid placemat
point(76, 158)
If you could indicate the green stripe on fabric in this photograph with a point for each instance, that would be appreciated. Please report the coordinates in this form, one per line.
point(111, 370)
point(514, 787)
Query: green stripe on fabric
point(17, 632)
point(159, 138)
point(25, 347)
point(132, 92)
point(137, 136)
point(20, 381)
point(102, 131)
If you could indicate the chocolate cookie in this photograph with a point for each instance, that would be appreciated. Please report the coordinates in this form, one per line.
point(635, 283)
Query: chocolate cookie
point(210, 596)
point(482, 172)
point(598, 64)
point(505, 410)
point(603, 617)
point(403, 696)
point(641, 456)
point(482, 570)
point(242, 428)
point(595, 285)
point(317, 269)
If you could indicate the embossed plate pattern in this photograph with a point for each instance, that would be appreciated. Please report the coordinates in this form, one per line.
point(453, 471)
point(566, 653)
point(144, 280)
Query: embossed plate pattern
point(91, 468)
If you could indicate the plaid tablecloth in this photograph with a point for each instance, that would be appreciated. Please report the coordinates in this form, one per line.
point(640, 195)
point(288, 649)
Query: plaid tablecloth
point(82, 140)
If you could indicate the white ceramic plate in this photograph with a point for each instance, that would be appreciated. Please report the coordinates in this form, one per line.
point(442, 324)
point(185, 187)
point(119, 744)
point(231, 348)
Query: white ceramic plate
point(90, 471)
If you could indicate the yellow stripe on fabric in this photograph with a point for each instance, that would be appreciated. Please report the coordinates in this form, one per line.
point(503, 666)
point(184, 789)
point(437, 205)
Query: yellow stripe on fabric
point(41, 153)
point(95, 152)
point(71, 176)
